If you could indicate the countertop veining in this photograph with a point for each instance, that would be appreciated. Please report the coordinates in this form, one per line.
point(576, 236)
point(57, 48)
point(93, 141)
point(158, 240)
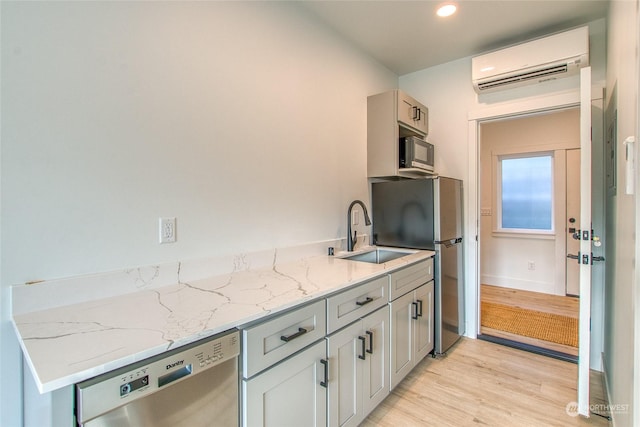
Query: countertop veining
point(67, 344)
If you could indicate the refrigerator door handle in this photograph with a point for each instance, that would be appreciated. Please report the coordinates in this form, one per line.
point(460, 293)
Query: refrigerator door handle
point(449, 243)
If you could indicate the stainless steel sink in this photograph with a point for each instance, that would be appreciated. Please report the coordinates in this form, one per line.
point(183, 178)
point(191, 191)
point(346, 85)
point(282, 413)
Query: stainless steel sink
point(378, 256)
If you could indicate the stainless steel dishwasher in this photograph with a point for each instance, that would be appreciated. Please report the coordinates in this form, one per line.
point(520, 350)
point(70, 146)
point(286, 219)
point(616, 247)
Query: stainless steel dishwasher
point(195, 385)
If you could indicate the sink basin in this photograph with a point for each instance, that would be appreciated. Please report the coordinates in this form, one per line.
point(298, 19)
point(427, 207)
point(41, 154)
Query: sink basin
point(378, 256)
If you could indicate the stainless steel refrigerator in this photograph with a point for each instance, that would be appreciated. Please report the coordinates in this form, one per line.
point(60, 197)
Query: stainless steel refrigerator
point(427, 214)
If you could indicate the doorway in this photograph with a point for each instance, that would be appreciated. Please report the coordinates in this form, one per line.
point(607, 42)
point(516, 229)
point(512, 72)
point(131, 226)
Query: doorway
point(527, 190)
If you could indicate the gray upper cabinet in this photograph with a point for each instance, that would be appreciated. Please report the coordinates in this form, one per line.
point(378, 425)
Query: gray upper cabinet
point(390, 116)
point(411, 113)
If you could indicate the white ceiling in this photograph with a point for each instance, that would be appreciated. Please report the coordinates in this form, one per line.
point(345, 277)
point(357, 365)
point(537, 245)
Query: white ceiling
point(407, 36)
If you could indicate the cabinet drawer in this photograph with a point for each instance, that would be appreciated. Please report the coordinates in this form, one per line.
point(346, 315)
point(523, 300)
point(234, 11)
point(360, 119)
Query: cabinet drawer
point(409, 278)
point(275, 339)
point(355, 303)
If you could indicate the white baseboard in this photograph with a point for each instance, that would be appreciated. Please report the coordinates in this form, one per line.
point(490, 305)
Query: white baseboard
point(523, 285)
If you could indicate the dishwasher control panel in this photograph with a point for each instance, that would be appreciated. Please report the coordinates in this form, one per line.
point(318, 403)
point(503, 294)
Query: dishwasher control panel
point(108, 391)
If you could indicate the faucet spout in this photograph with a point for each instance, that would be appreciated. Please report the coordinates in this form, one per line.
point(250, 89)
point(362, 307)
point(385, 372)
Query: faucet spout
point(351, 239)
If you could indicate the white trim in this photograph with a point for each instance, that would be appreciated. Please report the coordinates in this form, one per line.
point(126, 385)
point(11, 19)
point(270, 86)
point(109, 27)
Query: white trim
point(497, 159)
point(584, 322)
point(472, 254)
point(524, 234)
point(521, 284)
point(635, 404)
point(560, 218)
point(567, 99)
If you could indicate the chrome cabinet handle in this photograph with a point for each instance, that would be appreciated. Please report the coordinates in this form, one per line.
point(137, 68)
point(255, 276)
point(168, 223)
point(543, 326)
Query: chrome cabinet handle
point(301, 331)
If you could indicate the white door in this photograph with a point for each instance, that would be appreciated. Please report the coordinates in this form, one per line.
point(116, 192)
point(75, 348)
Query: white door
point(585, 242)
point(573, 222)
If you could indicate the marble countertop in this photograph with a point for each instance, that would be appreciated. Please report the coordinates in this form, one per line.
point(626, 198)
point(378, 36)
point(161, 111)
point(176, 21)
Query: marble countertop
point(67, 344)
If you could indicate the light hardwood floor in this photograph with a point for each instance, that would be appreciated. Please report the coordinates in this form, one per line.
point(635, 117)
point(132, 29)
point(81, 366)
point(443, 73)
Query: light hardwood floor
point(481, 383)
point(566, 306)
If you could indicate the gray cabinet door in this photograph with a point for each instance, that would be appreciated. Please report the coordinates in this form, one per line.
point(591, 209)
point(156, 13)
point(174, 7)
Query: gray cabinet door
point(358, 369)
point(401, 354)
point(423, 331)
point(288, 394)
point(375, 378)
point(345, 376)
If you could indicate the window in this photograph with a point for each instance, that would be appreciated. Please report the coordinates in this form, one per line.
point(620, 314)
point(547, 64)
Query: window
point(525, 192)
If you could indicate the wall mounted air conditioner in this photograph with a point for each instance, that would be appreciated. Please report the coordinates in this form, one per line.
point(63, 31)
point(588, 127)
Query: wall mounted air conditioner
point(536, 61)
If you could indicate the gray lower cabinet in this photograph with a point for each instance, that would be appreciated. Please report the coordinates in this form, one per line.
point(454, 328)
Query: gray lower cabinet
point(284, 369)
point(358, 369)
point(332, 361)
point(412, 317)
point(289, 394)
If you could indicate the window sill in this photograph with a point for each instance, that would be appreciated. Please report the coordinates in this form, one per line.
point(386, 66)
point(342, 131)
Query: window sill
point(542, 235)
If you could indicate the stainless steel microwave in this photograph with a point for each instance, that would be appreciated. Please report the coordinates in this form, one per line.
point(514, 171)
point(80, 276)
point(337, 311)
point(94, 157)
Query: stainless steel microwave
point(416, 153)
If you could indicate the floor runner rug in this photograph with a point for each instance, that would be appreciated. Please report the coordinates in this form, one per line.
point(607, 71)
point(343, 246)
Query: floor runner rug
point(530, 323)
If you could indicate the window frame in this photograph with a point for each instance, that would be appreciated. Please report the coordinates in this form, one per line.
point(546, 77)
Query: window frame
point(498, 230)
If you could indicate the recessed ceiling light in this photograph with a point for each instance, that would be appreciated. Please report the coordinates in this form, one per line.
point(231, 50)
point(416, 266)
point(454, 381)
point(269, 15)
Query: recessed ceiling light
point(446, 9)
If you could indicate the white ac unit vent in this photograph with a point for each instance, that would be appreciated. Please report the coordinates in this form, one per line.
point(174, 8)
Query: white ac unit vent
point(536, 61)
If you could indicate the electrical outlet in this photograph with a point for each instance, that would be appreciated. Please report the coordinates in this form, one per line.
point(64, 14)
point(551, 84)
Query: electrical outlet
point(355, 217)
point(531, 265)
point(167, 229)
point(485, 212)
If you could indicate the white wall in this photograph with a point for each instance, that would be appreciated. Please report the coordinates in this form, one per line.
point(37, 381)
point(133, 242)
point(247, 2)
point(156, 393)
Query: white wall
point(505, 257)
point(620, 333)
point(448, 93)
point(246, 121)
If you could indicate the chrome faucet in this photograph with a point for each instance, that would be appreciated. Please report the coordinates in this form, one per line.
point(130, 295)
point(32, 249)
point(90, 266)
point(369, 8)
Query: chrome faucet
point(352, 239)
